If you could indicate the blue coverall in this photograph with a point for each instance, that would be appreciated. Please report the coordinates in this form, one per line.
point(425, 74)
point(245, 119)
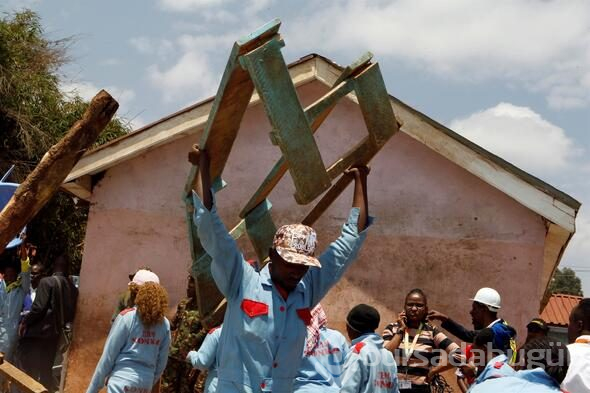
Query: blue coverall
point(496, 368)
point(369, 368)
point(534, 381)
point(134, 355)
point(263, 333)
point(11, 304)
point(321, 370)
point(206, 359)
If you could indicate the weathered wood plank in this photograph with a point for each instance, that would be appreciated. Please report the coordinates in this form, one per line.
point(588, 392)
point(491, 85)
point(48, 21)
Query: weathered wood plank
point(360, 153)
point(328, 198)
point(277, 92)
point(356, 67)
point(315, 113)
point(261, 229)
point(375, 106)
point(215, 317)
point(234, 94)
point(24, 382)
point(231, 102)
point(318, 111)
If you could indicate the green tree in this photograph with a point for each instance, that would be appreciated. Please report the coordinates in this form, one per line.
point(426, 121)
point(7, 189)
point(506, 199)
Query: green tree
point(565, 281)
point(35, 114)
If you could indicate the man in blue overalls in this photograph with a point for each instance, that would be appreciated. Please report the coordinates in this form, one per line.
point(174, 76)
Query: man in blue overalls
point(268, 311)
point(13, 288)
point(207, 359)
point(323, 357)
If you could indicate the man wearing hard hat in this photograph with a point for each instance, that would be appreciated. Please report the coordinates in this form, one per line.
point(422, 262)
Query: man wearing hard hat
point(484, 313)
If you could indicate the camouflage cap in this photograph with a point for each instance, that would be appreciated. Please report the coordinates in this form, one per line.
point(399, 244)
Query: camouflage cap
point(296, 243)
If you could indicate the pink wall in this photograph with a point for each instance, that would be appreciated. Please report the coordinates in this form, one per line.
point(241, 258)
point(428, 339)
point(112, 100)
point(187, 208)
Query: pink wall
point(438, 228)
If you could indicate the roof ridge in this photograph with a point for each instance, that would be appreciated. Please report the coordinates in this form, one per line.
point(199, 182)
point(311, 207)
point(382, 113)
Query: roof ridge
point(566, 295)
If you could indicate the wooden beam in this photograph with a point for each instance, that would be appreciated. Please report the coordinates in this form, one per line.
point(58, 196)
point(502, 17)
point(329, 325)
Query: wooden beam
point(327, 200)
point(44, 181)
point(261, 229)
point(315, 113)
point(375, 106)
point(270, 75)
point(25, 383)
point(215, 317)
point(231, 101)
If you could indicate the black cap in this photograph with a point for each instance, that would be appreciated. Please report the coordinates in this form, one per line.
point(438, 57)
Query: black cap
point(363, 318)
point(537, 324)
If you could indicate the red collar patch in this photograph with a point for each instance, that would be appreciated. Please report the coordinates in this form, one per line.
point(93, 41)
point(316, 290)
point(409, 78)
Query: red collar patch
point(357, 347)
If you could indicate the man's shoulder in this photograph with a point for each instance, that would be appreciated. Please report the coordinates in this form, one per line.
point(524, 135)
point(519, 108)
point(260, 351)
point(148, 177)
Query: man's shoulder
point(47, 282)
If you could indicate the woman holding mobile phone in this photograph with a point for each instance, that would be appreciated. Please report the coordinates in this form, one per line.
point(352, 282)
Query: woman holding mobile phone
point(413, 341)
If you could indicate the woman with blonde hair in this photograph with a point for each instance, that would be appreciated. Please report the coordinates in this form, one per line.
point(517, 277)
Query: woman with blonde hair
point(136, 349)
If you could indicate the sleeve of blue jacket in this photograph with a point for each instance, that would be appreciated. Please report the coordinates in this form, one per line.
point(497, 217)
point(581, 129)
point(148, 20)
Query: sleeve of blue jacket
point(162, 353)
point(228, 264)
point(205, 357)
point(352, 377)
point(112, 347)
point(337, 257)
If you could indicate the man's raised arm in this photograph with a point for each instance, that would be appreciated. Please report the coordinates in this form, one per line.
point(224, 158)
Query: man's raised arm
point(227, 266)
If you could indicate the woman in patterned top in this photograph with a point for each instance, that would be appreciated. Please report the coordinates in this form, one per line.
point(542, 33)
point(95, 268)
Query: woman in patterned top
point(413, 342)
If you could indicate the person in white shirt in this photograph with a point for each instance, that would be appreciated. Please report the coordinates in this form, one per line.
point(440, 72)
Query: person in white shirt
point(578, 375)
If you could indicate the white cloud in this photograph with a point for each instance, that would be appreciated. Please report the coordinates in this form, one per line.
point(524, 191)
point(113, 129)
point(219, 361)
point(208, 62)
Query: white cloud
point(520, 136)
point(189, 5)
point(147, 46)
point(213, 10)
point(544, 45)
point(191, 76)
point(579, 248)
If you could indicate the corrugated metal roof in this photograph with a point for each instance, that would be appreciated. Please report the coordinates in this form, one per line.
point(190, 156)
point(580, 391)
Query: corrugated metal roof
point(558, 309)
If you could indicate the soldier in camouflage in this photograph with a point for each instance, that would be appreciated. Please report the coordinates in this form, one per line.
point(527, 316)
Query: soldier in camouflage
point(187, 335)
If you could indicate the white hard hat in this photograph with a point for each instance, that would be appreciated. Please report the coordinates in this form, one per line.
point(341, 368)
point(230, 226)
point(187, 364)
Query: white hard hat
point(490, 297)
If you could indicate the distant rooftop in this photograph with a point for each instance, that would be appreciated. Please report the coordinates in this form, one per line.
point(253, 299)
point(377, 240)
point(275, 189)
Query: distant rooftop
point(558, 309)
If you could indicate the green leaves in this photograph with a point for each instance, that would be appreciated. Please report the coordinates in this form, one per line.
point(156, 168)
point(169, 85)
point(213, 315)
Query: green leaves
point(35, 114)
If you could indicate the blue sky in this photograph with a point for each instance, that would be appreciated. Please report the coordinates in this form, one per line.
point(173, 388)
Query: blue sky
point(513, 76)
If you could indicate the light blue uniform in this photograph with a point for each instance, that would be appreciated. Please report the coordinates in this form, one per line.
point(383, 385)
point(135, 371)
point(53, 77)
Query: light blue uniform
point(321, 371)
point(206, 359)
point(134, 355)
point(263, 333)
point(496, 368)
point(11, 305)
point(533, 381)
point(369, 368)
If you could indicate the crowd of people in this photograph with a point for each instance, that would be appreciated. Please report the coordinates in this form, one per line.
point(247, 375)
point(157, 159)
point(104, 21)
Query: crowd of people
point(37, 307)
point(275, 335)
